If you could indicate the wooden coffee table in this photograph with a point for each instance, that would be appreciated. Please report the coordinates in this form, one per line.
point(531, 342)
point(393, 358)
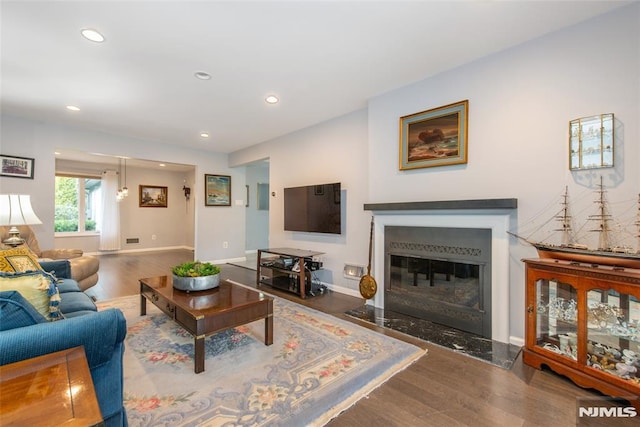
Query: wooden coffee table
point(203, 313)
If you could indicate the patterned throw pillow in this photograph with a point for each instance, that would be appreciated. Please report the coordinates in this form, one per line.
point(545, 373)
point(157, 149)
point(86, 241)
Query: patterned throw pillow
point(18, 259)
point(37, 287)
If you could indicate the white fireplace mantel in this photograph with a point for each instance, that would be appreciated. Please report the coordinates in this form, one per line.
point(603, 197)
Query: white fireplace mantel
point(455, 214)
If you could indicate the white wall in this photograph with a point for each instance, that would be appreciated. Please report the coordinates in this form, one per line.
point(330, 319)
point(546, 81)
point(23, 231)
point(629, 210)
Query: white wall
point(334, 151)
point(520, 104)
point(171, 226)
point(137, 222)
point(213, 225)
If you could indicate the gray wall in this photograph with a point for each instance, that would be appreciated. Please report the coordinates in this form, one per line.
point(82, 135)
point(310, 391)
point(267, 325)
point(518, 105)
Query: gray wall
point(137, 222)
point(520, 104)
point(212, 225)
point(257, 220)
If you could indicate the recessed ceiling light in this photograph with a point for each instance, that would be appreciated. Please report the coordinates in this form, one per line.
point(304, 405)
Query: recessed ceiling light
point(72, 108)
point(202, 75)
point(204, 134)
point(92, 35)
point(57, 153)
point(271, 99)
point(162, 165)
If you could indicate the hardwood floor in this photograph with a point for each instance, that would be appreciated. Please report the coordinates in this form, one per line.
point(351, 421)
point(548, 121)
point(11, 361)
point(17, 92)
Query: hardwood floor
point(441, 388)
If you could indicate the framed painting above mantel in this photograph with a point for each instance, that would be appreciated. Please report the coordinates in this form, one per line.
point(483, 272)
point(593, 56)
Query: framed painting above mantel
point(436, 137)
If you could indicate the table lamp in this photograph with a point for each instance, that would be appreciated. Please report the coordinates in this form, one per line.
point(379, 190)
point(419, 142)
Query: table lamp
point(15, 209)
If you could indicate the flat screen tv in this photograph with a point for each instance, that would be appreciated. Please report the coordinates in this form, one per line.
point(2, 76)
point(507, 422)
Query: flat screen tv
point(313, 208)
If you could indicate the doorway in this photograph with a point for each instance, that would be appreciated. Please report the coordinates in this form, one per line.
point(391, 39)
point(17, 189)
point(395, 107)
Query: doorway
point(258, 198)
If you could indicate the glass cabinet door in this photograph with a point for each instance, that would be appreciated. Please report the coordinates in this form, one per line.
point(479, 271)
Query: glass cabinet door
point(591, 142)
point(613, 335)
point(556, 318)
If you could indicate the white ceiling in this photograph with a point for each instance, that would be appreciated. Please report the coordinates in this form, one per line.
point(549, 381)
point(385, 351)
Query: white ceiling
point(322, 58)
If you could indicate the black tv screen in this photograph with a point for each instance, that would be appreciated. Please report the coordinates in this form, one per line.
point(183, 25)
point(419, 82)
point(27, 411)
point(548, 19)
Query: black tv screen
point(313, 208)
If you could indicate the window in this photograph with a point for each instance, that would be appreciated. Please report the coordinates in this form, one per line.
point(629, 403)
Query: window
point(78, 200)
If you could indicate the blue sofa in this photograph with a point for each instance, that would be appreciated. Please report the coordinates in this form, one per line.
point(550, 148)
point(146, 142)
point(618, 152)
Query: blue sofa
point(73, 301)
point(100, 333)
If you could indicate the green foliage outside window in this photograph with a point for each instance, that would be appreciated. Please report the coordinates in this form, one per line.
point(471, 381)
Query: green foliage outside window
point(67, 211)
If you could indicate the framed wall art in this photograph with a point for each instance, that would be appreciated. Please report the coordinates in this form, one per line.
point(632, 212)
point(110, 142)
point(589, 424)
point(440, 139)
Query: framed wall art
point(436, 137)
point(263, 196)
point(217, 190)
point(153, 196)
point(17, 167)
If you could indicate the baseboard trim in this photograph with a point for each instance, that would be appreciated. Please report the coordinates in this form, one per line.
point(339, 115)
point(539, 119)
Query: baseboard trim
point(516, 341)
point(343, 290)
point(227, 260)
point(129, 251)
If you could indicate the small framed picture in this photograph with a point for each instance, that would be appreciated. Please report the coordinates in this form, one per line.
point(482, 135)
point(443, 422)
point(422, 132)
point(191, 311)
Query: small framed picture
point(17, 167)
point(436, 137)
point(153, 196)
point(217, 190)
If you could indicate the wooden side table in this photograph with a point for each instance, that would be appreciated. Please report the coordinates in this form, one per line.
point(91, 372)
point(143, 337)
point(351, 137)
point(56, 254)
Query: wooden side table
point(54, 389)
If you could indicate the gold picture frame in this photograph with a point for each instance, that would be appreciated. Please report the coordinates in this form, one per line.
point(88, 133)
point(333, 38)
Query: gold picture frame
point(591, 142)
point(153, 196)
point(436, 137)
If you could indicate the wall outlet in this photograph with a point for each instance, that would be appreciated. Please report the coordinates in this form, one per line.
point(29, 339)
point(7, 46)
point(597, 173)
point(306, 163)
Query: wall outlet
point(225, 245)
point(154, 237)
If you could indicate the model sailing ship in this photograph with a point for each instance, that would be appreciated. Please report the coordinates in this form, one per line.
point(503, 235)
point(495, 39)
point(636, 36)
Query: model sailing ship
point(606, 254)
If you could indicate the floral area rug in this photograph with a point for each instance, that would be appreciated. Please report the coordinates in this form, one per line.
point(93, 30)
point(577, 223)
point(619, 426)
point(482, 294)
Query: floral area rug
point(318, 366)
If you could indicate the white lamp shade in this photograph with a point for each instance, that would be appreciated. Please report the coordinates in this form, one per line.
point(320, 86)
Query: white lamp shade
point(15, 209)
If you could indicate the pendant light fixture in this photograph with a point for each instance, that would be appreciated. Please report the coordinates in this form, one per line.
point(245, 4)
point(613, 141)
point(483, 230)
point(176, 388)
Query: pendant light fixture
point(119, 195)
point(125, 190)
point(122, 191)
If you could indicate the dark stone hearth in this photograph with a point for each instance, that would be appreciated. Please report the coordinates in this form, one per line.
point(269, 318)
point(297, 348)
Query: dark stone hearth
point(493, 352)
point(444, 205)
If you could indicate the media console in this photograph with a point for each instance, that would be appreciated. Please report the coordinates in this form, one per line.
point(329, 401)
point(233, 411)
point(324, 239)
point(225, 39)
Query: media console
point(287, 269)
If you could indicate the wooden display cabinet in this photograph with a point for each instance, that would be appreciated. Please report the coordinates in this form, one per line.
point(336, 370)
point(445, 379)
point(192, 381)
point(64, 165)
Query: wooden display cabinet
point(583, 321)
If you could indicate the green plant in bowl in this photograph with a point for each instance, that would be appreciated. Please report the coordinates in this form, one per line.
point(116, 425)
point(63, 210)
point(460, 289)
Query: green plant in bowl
point(195, 269)
point(195, 276)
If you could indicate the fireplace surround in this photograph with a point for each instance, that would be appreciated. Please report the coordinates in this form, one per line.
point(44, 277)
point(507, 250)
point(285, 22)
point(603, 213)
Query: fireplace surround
point(484, 214)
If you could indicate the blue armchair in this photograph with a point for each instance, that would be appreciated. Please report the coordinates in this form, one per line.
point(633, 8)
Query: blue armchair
point(102, 335)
